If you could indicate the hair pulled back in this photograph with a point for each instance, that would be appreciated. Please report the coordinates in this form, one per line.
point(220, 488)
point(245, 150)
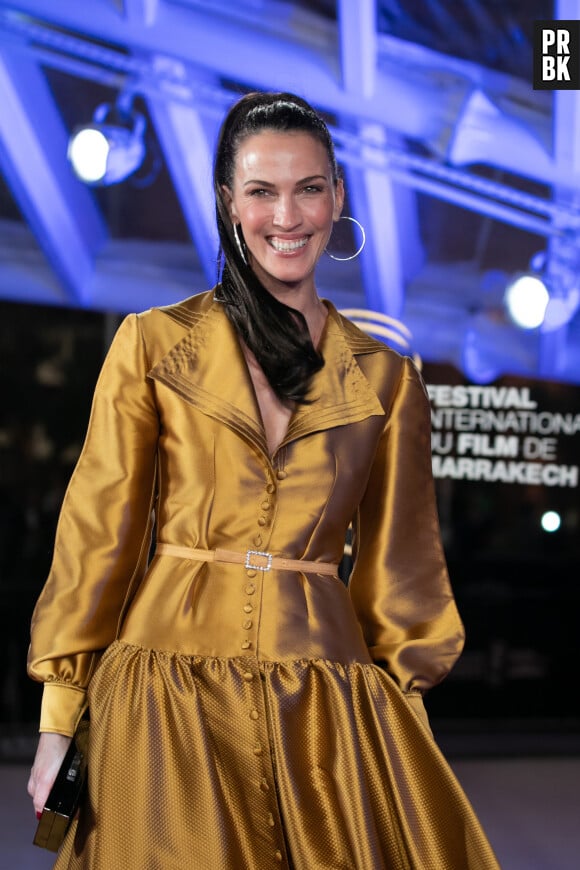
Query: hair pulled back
point(276, 334)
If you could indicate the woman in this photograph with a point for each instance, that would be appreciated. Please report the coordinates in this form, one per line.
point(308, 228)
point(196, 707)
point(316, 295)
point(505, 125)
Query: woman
point(248, 710)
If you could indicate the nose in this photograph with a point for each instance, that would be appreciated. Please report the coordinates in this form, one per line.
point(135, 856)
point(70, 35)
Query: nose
point(286, 213)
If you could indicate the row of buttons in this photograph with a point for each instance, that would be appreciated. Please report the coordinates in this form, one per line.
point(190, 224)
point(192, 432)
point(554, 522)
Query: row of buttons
point(248, 607)
point(258, 751)
point(251, 573)
point(250, 588)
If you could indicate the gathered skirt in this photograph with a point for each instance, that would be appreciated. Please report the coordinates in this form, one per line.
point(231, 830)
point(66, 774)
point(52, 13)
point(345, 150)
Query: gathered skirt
point(243, 764)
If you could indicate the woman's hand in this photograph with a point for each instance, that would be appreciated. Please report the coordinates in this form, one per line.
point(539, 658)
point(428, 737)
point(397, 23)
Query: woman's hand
point(49, 757)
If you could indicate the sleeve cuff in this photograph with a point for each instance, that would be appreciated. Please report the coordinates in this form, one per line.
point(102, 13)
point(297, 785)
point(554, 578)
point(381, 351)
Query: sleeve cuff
point(415, 701)
point(62, 707)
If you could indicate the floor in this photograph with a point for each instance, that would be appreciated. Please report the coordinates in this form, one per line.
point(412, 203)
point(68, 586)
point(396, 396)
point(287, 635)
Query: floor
point(530, 809)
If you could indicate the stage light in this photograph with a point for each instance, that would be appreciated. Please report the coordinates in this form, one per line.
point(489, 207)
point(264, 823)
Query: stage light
point(551, 521)
point(526, 299)
point(103, 152)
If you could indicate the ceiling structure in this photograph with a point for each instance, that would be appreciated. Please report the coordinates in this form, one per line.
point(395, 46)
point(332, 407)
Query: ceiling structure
point(460, 171)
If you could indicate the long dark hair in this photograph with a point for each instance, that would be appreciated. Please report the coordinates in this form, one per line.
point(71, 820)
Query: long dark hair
point(276, 334)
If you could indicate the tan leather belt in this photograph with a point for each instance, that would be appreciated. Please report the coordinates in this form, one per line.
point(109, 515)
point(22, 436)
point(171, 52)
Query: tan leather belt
point(251, 559)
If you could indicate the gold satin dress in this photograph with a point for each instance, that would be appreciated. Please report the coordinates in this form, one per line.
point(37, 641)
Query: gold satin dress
point(244, 719)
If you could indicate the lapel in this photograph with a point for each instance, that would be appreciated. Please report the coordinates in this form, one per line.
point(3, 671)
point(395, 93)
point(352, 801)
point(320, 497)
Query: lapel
point(339, 393)
point(207, 369)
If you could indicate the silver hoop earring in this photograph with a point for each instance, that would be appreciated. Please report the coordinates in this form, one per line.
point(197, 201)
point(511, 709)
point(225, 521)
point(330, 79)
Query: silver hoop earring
point(361, 246)
point(239, 244)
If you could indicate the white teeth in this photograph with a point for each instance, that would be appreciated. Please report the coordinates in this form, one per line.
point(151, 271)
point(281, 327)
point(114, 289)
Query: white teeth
point(286, 247)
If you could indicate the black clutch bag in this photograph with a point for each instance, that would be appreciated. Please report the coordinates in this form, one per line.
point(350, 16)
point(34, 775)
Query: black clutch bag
point(63, 800)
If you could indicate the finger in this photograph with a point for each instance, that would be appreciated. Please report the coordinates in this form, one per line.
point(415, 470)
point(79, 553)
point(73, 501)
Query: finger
point(39, 793)
point(38, 807)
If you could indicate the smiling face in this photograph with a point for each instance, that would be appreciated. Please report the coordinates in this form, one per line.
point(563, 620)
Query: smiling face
point(285, 199)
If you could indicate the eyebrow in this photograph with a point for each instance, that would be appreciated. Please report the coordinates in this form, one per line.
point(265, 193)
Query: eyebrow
point(307, 180)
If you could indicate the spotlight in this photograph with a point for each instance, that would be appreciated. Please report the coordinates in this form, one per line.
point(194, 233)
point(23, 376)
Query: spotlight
point(526, 299)
point(103, 153)
point(551, 521)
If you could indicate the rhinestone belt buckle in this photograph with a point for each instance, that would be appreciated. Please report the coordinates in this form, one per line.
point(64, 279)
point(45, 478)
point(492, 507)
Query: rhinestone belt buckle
point(259, 554)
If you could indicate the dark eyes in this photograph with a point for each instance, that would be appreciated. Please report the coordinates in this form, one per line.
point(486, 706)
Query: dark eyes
point(262, 191)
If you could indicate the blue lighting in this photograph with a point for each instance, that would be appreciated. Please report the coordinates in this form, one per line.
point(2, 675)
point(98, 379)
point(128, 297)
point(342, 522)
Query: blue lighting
point(526, 300)
point(104, 153)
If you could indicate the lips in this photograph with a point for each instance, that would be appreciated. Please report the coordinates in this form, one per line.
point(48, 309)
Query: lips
point(287, 246)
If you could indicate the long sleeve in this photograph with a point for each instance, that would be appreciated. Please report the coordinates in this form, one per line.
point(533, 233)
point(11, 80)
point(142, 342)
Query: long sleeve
point(103, 534)
point(399, 585)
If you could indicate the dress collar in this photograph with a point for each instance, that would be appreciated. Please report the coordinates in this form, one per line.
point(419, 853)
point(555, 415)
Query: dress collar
point(207, 368)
